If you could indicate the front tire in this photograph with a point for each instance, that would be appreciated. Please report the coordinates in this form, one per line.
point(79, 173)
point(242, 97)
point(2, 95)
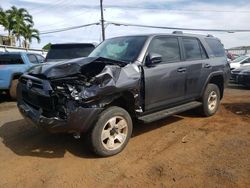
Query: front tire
point(111, 132)
point(210, 100)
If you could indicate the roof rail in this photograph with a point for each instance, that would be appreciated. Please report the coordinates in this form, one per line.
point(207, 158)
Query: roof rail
point(177, 32)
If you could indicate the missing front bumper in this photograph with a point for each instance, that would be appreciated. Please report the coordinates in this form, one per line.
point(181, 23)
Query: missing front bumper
point(80, 120)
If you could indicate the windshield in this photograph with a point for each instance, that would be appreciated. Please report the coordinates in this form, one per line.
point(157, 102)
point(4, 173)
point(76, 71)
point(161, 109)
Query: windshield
point(239, 59)
point(124, 49)
point(68, 51)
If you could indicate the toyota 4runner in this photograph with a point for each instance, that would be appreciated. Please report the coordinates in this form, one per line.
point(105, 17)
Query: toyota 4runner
point(145, 77)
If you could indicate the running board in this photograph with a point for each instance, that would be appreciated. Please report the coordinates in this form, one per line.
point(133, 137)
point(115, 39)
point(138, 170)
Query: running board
point(170, 111)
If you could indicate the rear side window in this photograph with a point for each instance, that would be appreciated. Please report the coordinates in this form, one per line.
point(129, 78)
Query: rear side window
point(10, 59)
point(167, 47)
point(193, 49)
point(32, 58)
point(40, 58)
point(216, 47)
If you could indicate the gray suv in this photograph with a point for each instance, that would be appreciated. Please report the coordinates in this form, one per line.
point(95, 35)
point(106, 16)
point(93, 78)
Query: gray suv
point(142, 77)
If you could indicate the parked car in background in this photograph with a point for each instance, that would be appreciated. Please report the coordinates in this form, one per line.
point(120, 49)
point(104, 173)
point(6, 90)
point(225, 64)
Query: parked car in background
point(231, 56)
point(145, 77)
point(241, 75)
point(59, 52)
point(12, 66)
point(243, 60)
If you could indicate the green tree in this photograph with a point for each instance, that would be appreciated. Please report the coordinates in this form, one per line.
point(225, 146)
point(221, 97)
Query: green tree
point(7, 22)
point(19, 18)
point(19, 23)
point(28, 33)
point(47, 46)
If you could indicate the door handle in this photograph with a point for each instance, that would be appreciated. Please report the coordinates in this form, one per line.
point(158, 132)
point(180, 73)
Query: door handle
point(207, 66)
point(182, 69)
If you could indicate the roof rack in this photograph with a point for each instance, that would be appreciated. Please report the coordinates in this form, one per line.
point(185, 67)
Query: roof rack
point(177, 32)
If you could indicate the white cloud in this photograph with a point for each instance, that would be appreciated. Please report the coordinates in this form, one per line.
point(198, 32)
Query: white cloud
point(50, 15)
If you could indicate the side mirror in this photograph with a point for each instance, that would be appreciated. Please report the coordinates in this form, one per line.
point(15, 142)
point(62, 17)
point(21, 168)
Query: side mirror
point(152, 59)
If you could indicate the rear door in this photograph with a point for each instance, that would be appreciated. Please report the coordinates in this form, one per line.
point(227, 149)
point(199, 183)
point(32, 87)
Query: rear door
point(198, 67)
point(164, 82)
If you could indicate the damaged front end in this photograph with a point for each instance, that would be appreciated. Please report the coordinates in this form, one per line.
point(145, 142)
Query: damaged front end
point(68, 96)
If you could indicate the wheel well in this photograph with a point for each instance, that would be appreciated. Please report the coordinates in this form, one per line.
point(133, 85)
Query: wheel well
point(219, 81)
point(16, 76)
point(127, 102)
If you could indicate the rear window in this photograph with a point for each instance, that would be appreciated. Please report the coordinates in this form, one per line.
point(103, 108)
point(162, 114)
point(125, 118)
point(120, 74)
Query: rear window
point(10, 59)
point(216, 47)
point(69, 51)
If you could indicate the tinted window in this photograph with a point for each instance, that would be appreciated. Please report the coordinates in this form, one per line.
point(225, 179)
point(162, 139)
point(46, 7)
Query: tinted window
point(216, 47)
point(32, 58)
point(40, 58)
point(167, 47)
point(124, 49)
point(246, 61)
point(69, 51)
point(193, 49)
point(6, 59)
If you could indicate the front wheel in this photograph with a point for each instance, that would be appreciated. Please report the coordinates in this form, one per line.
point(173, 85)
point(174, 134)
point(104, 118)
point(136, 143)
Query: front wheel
point(210, 100)
point(111, 132)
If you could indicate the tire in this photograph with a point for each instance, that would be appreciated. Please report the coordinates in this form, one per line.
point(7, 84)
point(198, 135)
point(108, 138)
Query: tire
point(12, 91)
point(106, 137)
point(210, 100)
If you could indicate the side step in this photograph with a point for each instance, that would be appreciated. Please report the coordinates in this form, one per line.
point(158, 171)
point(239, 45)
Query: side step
point(170, 111)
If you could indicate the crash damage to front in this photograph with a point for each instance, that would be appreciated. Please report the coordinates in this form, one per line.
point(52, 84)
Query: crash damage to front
point(68, 96)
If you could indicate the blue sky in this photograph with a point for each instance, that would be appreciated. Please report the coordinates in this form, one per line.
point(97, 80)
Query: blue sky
point(213, 14)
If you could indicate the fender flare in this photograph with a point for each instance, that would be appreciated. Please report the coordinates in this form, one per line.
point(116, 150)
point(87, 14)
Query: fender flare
point(217, 73)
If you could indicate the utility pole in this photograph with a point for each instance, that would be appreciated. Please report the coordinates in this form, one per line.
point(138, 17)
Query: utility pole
point(102, 21)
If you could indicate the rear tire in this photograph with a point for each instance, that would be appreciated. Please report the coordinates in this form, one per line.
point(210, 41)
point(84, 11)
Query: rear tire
point(13, 88)
point(210, 100)
point(111, 132)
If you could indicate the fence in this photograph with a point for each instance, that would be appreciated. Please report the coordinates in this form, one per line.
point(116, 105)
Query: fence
point(239, 51)
point(4, 48)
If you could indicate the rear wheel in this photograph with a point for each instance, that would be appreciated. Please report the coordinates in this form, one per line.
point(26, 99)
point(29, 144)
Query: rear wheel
point(111, 132)
point(13, 87)
point(210, 100)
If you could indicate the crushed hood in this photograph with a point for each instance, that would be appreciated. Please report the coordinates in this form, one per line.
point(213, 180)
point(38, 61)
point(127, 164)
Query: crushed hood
point(68, 67)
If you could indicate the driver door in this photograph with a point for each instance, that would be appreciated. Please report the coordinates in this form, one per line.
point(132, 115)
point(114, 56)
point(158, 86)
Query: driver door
point(164, 82)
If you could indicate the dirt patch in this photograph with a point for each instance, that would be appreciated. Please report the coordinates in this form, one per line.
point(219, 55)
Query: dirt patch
point(185, 150)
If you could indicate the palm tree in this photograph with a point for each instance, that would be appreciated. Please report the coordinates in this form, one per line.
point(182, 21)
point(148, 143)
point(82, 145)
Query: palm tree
point(19, 17)
point(28, 33)
point(7, 22)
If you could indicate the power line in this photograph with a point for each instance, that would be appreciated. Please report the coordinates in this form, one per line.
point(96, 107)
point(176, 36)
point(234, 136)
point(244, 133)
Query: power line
point(179, 28)
point(67, 28)
point(145, 26)
point(179, 10)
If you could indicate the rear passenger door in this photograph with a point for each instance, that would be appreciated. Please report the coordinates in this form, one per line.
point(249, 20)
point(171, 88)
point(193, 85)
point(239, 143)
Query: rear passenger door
point(164, 82)
point(196, 64)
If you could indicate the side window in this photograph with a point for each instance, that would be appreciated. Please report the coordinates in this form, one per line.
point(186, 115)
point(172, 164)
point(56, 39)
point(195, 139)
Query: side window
point(10, 59)
point(216, 47)
point(32, 58)
point(167, 47)
point(247, 61)
point(193, 49)
point(40, 58)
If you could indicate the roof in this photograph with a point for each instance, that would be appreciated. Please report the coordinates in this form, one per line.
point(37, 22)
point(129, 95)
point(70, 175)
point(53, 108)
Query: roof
point(66, 44)
point(17, 53)
point(178, 33)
